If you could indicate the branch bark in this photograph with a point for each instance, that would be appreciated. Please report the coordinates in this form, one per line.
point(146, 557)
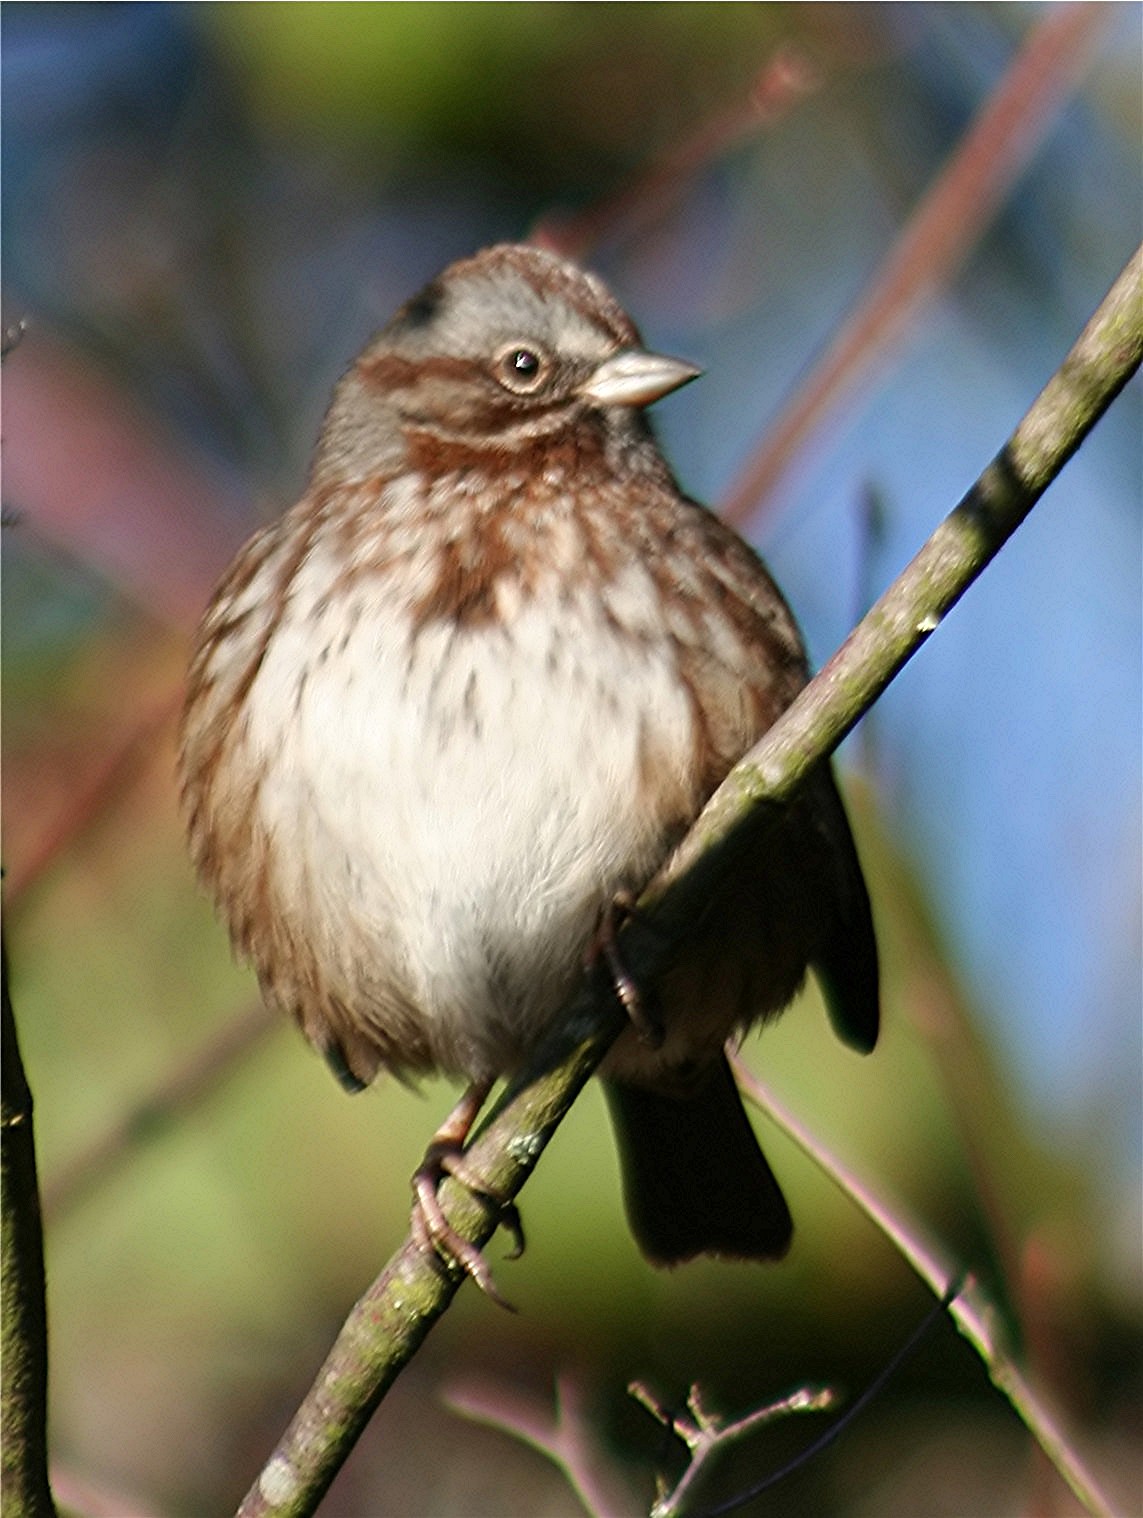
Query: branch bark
point(24, 1396)
point(390, 1321)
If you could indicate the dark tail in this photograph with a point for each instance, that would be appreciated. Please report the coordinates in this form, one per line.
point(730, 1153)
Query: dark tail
point(846, 962)
point(694, 1179)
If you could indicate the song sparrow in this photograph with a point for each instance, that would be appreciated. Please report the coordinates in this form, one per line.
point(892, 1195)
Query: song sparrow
point(474, 686)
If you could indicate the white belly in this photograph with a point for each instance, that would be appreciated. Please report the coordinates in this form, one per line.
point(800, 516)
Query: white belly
point(449, 812)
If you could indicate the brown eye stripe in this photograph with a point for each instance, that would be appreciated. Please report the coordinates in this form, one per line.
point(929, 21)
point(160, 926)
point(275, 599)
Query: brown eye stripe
point(391, 371)
point(484, 418)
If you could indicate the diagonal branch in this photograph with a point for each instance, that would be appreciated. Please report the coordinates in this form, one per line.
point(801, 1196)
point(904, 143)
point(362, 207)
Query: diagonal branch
point(968, 1306)
point(390, 1321)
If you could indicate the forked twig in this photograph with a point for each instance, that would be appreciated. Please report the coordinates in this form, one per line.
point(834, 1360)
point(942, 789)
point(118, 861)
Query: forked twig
point(706, 1434)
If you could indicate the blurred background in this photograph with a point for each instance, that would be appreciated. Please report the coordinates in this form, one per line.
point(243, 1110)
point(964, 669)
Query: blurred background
point(207, 209)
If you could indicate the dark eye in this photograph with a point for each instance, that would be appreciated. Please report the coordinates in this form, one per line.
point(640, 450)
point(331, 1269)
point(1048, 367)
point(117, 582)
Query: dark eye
point(522, 368)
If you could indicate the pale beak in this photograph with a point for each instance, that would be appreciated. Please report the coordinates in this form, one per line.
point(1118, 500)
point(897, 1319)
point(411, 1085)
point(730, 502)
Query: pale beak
point(636, 378)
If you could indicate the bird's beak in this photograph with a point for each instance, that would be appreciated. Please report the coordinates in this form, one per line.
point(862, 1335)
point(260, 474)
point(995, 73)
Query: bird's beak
point(636, 378)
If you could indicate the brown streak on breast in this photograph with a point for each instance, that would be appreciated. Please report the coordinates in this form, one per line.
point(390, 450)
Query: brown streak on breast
point(256, 555)
point(465, 588)
point(474, 553)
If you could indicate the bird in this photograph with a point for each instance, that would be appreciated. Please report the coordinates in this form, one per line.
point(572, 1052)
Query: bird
point(454, 708)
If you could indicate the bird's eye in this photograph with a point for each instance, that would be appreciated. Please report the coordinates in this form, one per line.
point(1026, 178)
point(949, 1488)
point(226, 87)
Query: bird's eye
point(522, 367)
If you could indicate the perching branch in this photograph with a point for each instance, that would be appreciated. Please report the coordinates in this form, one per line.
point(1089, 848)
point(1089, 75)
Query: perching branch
point(387, 1325)
point(24, 1457)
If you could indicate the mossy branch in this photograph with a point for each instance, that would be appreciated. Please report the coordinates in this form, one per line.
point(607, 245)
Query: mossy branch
point(387, 1325)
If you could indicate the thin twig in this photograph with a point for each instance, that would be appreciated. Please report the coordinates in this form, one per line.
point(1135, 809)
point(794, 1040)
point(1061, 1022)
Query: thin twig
point(941, 231)
point(706, 1434)
point(969, 1308)
point(786, 77)
point(388, 1324)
